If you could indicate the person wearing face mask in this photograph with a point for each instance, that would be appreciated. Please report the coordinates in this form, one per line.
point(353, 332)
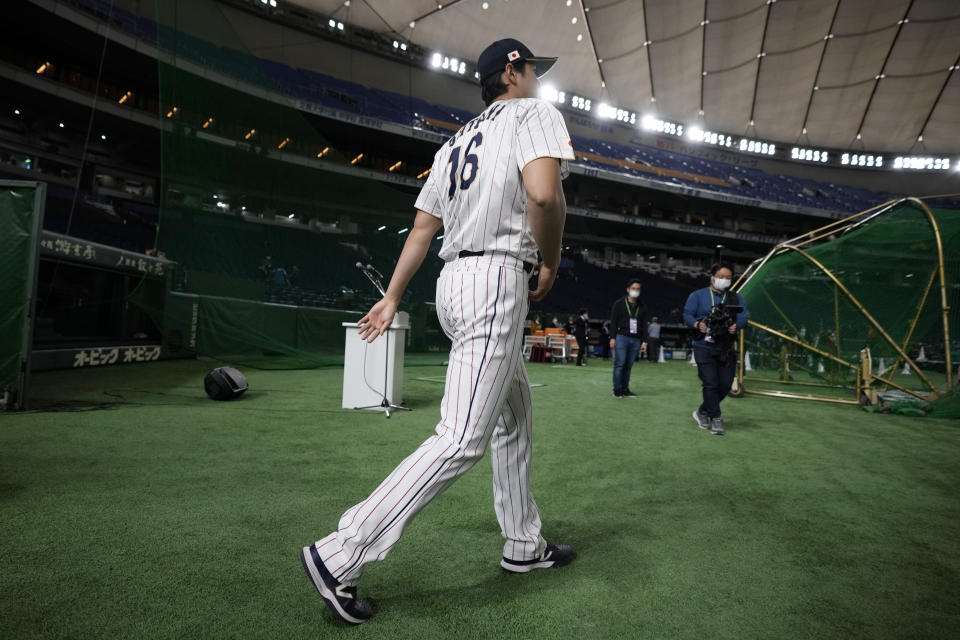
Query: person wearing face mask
point(627, 324)
point(715, 355)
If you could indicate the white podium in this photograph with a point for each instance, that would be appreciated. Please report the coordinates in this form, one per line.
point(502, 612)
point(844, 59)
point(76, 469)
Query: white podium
point(371, 368)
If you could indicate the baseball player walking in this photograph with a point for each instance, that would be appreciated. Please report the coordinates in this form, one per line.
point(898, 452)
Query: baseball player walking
point(495, 190)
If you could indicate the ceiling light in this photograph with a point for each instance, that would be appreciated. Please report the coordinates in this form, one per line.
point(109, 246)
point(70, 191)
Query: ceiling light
point(16, 112)
point(412, 24)
point(332, 23)
point(485, 6)
point(340, 26)
point(858, 136)
point(381, 227)
point(60, 125)
point(436, 60)
point(569, 2)
point(103, 136)
point(573, 20)
point(402, 231)
point(804, 132)
point(579, 37)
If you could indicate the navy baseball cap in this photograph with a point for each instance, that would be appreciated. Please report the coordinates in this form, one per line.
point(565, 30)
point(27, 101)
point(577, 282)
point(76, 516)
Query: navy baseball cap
point(495, 57)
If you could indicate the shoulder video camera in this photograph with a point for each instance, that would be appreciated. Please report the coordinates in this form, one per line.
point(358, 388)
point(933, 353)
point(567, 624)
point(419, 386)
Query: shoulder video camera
point(719, 321)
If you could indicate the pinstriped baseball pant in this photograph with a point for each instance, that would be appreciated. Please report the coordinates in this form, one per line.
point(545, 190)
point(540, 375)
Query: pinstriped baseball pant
point(481, 303)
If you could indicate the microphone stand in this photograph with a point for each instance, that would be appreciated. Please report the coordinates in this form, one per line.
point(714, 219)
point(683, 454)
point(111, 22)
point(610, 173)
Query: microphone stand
point(375, 279)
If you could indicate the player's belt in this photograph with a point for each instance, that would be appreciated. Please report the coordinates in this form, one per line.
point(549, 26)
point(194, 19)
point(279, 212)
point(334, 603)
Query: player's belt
point(527, 266)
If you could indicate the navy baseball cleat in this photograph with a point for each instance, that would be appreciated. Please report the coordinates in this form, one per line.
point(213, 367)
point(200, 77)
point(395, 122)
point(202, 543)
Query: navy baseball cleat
point(341, 599)
point(555, 555)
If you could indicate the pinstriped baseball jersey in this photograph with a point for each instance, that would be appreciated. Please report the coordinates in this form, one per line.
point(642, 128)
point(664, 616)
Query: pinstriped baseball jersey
point(476, 186)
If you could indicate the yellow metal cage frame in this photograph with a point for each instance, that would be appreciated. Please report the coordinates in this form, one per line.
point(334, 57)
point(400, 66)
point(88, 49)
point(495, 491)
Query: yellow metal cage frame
point(865, 379)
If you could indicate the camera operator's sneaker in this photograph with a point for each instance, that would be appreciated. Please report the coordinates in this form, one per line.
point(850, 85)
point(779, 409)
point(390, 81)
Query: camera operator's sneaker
point(629, 394)
point(342, 600)
point(703, 420)
point(716, 427)
point(554, 555)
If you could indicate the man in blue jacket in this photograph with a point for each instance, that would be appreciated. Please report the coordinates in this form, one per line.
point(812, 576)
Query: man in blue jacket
point(714, 348)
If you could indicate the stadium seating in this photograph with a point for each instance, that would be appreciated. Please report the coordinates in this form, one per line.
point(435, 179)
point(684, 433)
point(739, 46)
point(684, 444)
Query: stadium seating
point(628, 158)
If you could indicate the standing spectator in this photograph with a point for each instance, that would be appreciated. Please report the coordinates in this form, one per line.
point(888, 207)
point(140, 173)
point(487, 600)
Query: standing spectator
point(581, 330)
point(279, 277)
point(605, 340)
point(569, 327)
point(653, 340)
point(627, 325)
point(535, 323)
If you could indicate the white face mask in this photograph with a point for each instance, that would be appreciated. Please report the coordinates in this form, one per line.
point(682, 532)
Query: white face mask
point(721, 284)
point(634, 294)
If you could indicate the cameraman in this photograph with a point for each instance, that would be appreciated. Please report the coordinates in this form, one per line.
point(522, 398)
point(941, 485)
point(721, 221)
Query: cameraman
point(714, 349)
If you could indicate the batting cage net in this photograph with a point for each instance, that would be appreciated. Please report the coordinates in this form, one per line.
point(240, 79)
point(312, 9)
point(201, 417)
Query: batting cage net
point(263, 207)
point(869, 302)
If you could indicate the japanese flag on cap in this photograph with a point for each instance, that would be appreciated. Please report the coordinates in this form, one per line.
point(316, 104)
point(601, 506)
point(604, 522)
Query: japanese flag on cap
point(495, 58)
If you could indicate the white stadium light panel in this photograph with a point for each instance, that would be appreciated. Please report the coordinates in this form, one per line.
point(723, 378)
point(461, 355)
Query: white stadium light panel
point(809, 155)
point(861, 160)
point(922, 163)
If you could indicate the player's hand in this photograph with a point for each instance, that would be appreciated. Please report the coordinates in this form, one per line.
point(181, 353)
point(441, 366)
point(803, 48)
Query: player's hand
point(733, 328)
point(377, 320)
point(544, 282)
point(702, 326)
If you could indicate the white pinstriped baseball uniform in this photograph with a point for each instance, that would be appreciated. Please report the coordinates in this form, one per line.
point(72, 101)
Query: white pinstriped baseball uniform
point(476, 188)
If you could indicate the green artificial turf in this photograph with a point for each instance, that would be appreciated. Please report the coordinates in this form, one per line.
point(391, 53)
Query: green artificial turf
point(142, 509)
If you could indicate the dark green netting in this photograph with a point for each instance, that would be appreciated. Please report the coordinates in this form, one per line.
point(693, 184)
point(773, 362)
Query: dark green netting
point(20, 214)
point(886, 261)
point(265, 217)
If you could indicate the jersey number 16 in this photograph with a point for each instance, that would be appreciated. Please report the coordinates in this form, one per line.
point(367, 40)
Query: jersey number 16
point(469, 160)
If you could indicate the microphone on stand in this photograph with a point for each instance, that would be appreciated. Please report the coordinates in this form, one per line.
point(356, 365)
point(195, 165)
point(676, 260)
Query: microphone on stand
point(370, 267)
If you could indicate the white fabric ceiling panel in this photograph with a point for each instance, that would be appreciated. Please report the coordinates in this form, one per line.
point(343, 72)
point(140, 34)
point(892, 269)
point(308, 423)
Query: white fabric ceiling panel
point(899, 107)
point(867, 34)
point(784, 92)
point(835, 115)
point(940, 135)
point(727, 102)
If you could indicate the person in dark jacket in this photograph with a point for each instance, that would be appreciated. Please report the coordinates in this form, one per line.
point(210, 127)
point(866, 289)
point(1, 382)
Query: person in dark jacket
point(714, 353)
point(627, 325)
point(605, 339)
point(581, 329)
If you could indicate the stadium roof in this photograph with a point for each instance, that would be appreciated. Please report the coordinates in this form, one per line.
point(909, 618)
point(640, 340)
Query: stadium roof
point(883, 69)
